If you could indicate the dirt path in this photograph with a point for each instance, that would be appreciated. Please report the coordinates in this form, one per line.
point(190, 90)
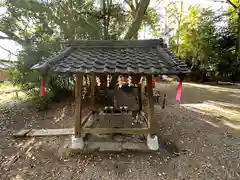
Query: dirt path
point(206, 128)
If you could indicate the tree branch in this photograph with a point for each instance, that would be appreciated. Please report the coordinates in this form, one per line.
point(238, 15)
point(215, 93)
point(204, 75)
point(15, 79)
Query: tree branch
point(130, 4)
point(109, 13)
point(137, 21)
point(137, 3)
point(14, 37)
point(233, 5)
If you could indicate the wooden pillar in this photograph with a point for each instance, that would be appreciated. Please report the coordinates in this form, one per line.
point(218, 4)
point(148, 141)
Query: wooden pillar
point(140, 96)
point(114, 81)
point(150, 103)
point(78, 108)
point(136, 80)
point(93, 84)
point(103, 80)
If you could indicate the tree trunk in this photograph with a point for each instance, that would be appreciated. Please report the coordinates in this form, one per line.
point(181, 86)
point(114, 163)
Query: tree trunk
point(104, 11)
point(179, 24)
point(203, 76)
point(237, 8)
point(238, 38)
point(233, 78)
point(14, 37)
point(136, 24)
point(135, 36)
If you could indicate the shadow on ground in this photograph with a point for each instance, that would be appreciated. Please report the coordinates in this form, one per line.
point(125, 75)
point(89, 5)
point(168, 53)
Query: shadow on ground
point(205, 129)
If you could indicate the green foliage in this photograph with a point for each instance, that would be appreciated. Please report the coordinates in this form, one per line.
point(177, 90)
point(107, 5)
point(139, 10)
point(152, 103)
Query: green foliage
point(209, 48)
point(45, 27)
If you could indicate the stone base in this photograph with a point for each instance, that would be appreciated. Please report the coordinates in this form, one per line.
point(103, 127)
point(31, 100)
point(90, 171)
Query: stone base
point(77, 143)
point(113, 147)
point(152, 142)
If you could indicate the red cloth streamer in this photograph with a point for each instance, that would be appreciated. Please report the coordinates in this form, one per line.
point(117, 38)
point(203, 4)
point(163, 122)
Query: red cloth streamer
point(153, 83)
point(179, 91)
point(42, 88)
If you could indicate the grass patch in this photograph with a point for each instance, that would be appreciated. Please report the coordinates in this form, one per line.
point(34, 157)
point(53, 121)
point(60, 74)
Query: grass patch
point(8, 93)
point(7, 87)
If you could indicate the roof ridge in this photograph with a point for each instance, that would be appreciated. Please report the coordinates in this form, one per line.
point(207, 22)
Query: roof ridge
point(118, 56)
point(116, 43)
point(4, 64)
point(59, 55)
point(4, 60)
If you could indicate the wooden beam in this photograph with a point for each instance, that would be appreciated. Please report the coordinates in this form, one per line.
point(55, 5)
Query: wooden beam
point(22, 133)
point(116, 130)
point(78, 108)
point(86, 118)
point(50, 132)
point(150, 102)
point(101, 113)
point(144, 117)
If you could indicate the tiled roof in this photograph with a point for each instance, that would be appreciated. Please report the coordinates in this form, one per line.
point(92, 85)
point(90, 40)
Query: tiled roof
point(5, 64)
point(122, 56)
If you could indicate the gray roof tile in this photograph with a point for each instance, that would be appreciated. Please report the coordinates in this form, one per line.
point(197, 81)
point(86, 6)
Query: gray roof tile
point(5, 64)
point(122, 56)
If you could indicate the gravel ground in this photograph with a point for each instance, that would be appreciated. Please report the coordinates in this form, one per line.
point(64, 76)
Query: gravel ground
point(205, 129)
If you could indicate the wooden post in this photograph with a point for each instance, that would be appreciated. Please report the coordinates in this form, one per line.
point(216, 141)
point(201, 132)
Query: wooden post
point(93, 84)
point(150, 102)
point(103, 81)
point(114, 81)
point(136, 80)
point(140, 96)
point(78, 108)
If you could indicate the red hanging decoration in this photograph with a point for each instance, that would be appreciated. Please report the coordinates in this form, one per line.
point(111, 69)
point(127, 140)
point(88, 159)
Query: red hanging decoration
point(153, 83)
point(42, 88)
point(179, 91)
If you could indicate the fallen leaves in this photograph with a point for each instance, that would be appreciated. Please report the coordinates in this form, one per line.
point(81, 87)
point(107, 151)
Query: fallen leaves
point(83, 162)
point(7, 164)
